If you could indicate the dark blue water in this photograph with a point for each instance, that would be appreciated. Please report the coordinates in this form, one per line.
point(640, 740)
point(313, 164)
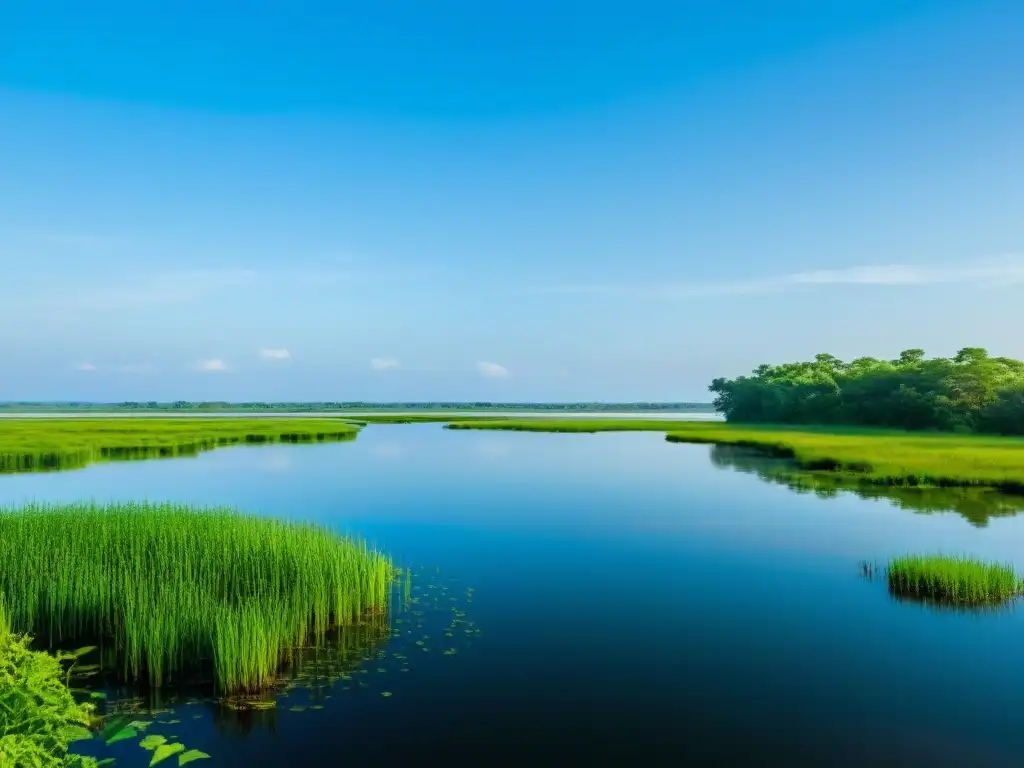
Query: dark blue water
point(637, 606)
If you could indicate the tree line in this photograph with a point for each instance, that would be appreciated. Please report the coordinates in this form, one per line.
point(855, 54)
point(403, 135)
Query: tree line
point(970, 392)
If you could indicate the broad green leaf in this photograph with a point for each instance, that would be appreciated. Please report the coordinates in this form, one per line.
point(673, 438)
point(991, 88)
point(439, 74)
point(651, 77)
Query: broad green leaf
point(113, 725)
point(140, 725)
point(124, 733)
point(106, 761)
point(152, 741)
point(97, 695)
point(192, 754)
point(164, 751)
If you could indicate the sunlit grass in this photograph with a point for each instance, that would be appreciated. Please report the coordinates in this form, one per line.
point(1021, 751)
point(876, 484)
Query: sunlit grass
point(28, 445)
point(172, 587)
point(873, 456)
point(951, 579)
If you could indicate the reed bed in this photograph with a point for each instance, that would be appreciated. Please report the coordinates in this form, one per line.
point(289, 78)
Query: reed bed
point(872, 457)
point(174, 588)
point(28, 445)
point(951, 579)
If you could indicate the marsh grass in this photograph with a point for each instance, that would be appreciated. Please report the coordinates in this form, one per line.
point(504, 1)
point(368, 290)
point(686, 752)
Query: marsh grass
point(951, 579)
point(560, 424)
point(170, 587)
point(977, 504)
point(871, 457)
point(418, 418)
point(32, 445)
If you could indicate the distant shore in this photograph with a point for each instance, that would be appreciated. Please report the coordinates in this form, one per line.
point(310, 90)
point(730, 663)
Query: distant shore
point(688, 415)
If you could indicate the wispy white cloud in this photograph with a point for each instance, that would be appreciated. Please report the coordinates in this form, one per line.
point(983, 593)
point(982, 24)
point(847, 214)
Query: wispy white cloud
point(492, 370)
point(274, 354)
point(988, 272)
point(77, 240)
point(132, 292)
point(213, 365)
point(150, 290)
point(385, 364)
point(85, 367)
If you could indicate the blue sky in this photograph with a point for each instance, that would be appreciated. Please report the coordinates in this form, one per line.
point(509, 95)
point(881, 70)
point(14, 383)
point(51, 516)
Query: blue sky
point(504, 201)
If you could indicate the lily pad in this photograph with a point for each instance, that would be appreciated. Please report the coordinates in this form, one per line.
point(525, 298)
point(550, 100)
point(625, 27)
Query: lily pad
point(164, 751)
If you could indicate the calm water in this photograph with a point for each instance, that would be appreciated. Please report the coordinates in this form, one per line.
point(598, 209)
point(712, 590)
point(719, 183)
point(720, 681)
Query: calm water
point(639, 604)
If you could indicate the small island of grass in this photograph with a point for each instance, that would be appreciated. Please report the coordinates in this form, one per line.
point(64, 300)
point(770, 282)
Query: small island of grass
point(952, 580)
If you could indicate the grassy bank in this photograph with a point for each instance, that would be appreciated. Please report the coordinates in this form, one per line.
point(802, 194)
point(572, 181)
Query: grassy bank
point(872, 456)
point(174, 588)
point(977, 504)
point(28, 445)
point(39, 718)
point(416, 418)
point(569, 425)
point(957, 580)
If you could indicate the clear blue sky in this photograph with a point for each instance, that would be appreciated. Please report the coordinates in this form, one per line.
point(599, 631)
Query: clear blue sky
point(506, 201)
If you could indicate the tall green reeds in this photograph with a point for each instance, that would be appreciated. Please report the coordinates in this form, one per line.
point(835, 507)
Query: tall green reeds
point(173, 587)
point(950, 579)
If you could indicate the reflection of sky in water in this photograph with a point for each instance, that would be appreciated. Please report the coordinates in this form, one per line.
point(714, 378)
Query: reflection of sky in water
point(630, 589)
point(592, 485)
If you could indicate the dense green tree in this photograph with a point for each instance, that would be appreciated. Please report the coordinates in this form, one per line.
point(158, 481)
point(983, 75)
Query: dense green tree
point(970, 392)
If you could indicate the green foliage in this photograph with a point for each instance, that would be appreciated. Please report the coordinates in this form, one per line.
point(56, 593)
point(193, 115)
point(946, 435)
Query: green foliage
point(952, 579)
point(169, 586)
point(970, 392)
point(39, 718)
point(49, 444)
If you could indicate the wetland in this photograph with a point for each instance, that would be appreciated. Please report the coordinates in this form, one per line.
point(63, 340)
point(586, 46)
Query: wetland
point(613, 594)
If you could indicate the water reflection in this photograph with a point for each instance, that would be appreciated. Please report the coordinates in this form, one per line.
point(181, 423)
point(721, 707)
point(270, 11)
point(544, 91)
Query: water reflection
point(976, 505)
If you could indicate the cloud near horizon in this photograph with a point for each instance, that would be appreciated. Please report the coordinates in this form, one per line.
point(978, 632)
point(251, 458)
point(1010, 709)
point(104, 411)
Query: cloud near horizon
point(214, 365)
point(87, 367)
point(385, 364)
point(275, 354)
point(987, 272)
point(492, 370)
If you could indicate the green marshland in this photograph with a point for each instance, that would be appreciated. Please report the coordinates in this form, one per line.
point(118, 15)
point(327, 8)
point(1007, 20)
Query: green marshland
point(34, 444)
